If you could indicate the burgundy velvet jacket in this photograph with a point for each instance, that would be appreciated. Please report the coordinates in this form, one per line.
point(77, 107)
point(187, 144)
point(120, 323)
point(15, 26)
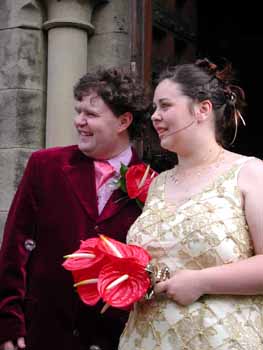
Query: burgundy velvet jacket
point(53, 210)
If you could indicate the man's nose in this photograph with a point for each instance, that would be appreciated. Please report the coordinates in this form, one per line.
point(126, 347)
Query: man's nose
point(80, 119)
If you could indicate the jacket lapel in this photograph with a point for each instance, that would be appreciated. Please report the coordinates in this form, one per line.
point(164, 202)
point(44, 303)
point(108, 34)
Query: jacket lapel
point(118, 198)
point(80, 175)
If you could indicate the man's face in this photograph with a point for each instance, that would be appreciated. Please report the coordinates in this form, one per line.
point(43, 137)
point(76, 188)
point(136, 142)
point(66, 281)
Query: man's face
point(99, 129)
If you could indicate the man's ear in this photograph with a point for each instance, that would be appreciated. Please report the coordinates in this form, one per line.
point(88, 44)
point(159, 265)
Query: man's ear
point(125, 121)
point(203, 110)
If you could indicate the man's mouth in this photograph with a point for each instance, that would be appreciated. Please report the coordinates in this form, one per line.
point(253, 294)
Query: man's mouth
point(85, 133)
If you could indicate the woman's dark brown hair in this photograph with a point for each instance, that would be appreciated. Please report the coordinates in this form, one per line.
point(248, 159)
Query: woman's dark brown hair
point(204, 80)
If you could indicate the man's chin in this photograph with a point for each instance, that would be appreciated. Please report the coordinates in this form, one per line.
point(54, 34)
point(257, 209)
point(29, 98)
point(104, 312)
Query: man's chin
point(84, 148)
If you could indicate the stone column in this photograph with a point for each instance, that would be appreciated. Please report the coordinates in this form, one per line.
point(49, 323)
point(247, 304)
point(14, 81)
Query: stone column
point(68, 26)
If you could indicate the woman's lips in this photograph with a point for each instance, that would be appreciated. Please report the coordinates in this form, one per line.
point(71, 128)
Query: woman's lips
point(161, 131)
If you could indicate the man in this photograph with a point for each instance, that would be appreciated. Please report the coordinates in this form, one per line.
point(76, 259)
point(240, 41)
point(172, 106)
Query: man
point(68, 194)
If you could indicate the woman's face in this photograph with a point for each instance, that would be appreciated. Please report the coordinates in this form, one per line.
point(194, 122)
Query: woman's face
point(173, 119)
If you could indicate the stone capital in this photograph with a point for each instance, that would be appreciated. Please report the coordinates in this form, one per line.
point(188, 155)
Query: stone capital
point(69, 13)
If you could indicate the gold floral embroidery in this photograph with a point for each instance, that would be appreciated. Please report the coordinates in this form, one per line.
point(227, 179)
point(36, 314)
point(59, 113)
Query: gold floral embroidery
point(210, 229)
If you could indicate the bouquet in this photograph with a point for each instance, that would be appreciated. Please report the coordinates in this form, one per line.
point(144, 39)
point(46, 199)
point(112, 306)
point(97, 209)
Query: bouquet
point(135, 181)
point(119, 274)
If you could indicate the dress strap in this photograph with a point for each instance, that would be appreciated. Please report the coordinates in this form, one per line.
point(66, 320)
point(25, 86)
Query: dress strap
point(240, 163)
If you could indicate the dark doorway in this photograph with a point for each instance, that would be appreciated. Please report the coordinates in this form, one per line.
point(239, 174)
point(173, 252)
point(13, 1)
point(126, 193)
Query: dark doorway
point(233, 30)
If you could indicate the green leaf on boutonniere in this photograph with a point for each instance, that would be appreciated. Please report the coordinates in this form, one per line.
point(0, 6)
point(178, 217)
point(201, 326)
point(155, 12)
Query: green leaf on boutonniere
point(140, 204)
point(123, 169)
point(122, 180)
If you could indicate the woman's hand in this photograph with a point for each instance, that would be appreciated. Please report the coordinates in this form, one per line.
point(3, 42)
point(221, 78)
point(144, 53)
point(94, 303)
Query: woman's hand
point(184, 287)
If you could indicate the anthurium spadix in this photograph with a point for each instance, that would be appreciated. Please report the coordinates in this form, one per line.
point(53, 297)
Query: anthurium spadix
point(105, 268)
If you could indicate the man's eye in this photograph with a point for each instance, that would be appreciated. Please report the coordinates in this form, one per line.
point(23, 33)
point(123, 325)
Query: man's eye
point(91, 115)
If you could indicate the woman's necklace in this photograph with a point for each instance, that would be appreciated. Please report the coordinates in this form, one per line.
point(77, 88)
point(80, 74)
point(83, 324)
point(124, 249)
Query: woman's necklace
point(181, 175)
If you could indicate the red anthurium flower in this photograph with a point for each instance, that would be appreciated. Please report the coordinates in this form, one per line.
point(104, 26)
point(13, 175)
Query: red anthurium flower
point(105, 268)
point(138, 179)
point(123, 283)
point(85, 257)
point(120, 250)
point(86, 284)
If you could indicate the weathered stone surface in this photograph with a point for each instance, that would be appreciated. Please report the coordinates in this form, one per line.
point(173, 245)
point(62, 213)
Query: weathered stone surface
point(108, 50)
point(111, 17)
point(21, 13)
point(22, 59)
point(12, 163)
point(76, 10)
point(3, 216)
point(21, 118)
point(5, 13)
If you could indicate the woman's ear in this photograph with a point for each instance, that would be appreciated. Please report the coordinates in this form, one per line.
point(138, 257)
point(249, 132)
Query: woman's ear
point(125, 121)
point(203, 110)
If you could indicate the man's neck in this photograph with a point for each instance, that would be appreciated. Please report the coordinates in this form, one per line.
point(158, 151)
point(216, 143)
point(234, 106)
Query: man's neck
point(122, 158)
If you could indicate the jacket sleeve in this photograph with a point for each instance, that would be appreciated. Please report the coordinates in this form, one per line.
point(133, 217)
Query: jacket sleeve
point(20, 226)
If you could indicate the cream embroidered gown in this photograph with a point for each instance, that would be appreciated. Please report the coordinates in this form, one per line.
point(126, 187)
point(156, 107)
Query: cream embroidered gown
point(209, 229)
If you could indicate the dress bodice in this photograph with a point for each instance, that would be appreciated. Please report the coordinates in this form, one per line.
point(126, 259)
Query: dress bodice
point(208, 229)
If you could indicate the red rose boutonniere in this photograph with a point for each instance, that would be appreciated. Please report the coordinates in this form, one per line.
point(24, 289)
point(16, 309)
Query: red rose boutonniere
point(135, 181)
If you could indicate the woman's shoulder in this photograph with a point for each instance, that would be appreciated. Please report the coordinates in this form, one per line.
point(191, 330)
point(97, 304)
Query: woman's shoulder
point(233, 158)
point(250, 172)
point(252, 166)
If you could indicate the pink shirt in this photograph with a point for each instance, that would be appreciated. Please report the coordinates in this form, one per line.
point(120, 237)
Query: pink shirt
point(105, 191)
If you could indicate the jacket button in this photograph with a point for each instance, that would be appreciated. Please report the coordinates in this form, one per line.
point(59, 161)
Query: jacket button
point(94, 347)
point(30, 244)
point(75, 332)
point(96, 228)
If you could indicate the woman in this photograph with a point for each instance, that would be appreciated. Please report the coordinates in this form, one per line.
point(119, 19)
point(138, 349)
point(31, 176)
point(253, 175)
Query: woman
point(203, 219)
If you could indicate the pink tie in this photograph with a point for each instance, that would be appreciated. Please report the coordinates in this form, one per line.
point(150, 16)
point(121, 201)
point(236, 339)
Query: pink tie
point(103, 172)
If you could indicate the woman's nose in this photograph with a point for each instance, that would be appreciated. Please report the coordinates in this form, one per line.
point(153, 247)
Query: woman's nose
point(155, 115)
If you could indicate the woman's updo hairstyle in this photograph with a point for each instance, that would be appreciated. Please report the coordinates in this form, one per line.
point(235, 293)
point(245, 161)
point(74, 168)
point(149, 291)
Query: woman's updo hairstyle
point(204, 80)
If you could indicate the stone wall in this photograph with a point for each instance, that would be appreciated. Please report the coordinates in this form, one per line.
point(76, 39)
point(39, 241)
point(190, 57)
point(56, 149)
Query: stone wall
point(22, 92)
point(110, 44)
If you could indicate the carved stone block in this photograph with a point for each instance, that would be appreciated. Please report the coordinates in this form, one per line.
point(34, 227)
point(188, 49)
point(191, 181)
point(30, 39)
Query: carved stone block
point(107, 50)
point(112, 17)
point(12, 163)
point(21, 118)
point(21, 59)
point(21, 13)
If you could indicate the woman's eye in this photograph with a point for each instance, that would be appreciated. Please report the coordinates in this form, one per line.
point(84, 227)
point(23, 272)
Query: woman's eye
point(164, 106)
point(152, 109)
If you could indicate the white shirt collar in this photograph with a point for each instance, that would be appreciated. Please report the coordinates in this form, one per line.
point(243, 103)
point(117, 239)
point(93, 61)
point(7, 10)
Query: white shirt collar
point(122, 158)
